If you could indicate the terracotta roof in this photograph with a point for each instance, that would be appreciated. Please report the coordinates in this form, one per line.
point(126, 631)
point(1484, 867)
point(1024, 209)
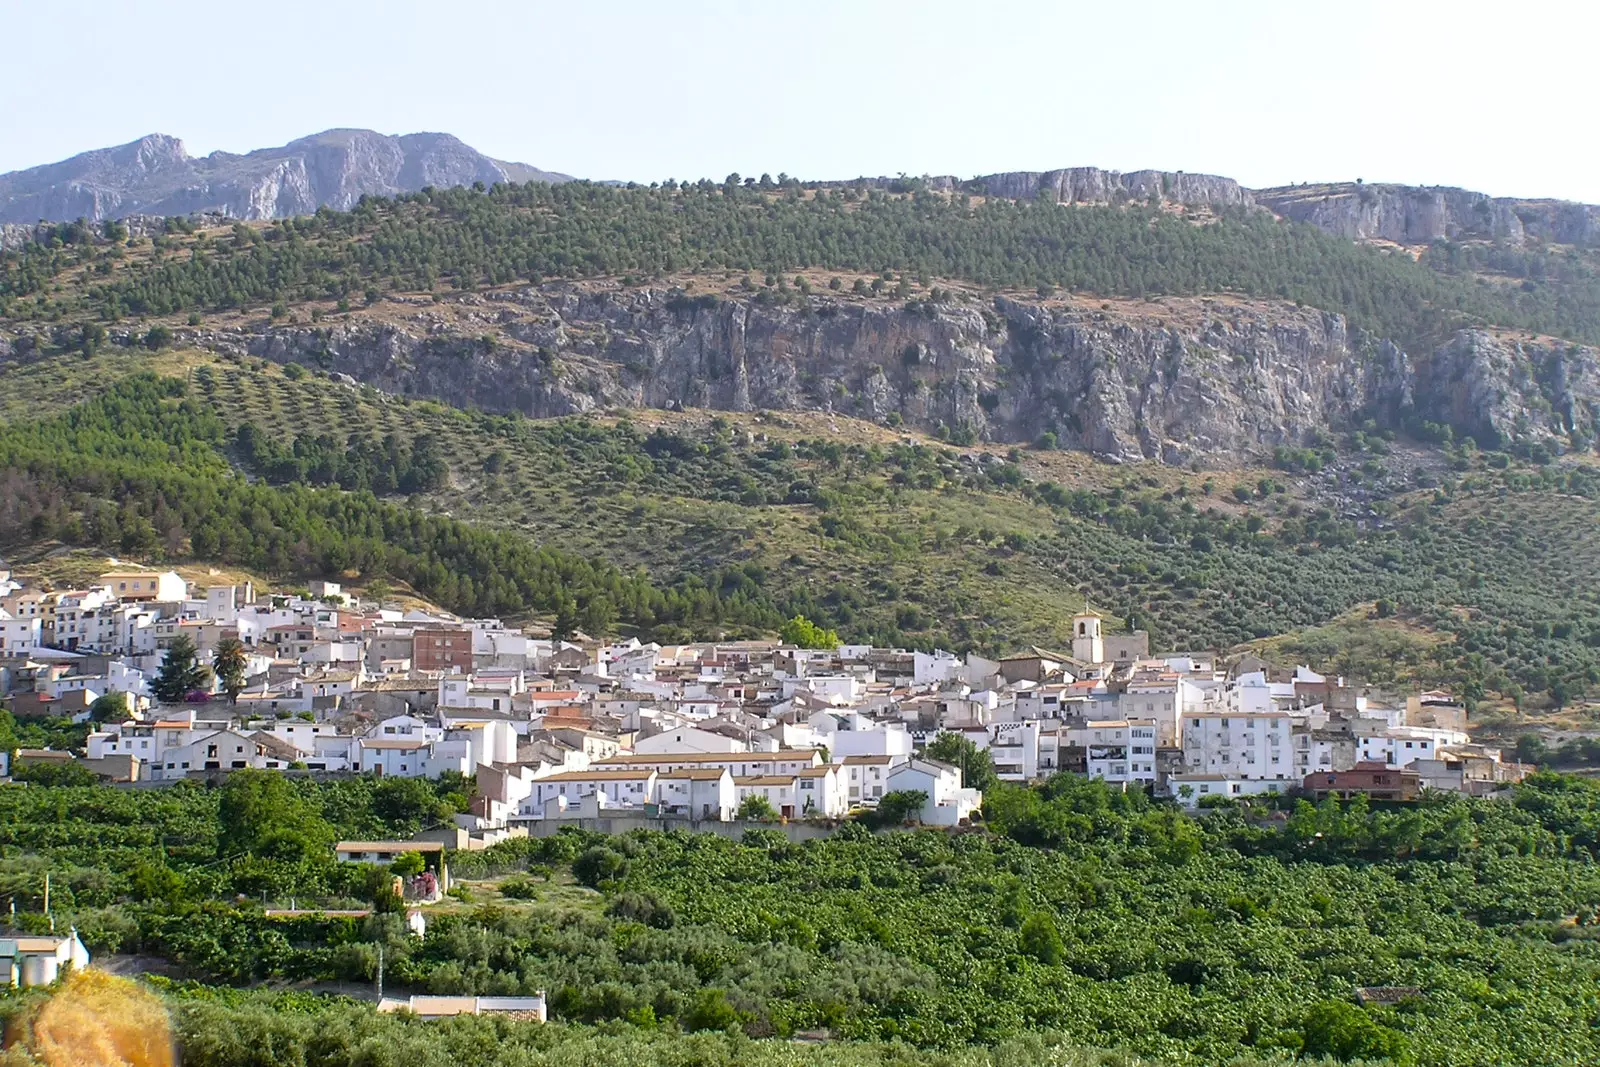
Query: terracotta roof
point(37, 944)
point(712, 757)
point(389, 846)
point(699, 774)
point(765, 779)
point(594, 776)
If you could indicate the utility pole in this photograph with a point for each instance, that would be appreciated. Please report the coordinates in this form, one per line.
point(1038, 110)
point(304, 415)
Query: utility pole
point(380, 972)
point(47, 893)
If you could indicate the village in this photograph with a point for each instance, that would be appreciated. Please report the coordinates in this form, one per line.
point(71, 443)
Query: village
point(555, 732)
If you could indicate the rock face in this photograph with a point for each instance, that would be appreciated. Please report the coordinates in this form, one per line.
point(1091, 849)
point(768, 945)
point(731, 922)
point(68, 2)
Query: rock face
point(1203, 380)
point(155, 176)
point(1417, 215)
point(1091, 185)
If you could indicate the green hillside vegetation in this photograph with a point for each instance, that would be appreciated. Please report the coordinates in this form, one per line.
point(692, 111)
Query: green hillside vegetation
point(1080, 911)
point(468, 238)
point(230, 1029)
point(894, 543)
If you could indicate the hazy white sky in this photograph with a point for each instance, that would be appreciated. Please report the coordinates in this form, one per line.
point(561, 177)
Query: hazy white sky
point(1500, 99)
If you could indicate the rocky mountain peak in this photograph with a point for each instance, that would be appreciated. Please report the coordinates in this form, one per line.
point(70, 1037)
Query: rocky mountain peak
point(155, 175)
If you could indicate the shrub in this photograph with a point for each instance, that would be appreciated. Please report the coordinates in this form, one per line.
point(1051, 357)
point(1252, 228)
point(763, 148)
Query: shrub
point(599, 864)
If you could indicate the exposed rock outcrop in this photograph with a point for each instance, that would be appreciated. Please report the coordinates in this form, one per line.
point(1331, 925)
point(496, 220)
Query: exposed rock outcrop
point(1214, 381)
point(1091, 185)
point(1409, 214)
point(154, 175)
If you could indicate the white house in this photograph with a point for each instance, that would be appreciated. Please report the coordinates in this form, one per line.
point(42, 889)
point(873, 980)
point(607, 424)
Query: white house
point(866, 778)
point(165, 587)
point(948, 801)
point(822, 791)
point(698, 792)
point(1109, 744)
point(1190, 789)
point(1398, 746)
point(18, 636)
point(779, 790)
point(683, 739)
point(849, 733)
point(222, 750)
point(1014, 748)
point(392, 757)
point(616, 788)
point(1240, 745)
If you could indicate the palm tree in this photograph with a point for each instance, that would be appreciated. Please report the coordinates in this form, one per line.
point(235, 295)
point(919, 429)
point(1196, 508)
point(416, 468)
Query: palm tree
point(228, 662)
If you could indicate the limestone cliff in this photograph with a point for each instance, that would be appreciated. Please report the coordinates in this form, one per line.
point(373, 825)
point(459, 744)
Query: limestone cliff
point(1090, 185)
point(1209, 380)
point(1420, 214)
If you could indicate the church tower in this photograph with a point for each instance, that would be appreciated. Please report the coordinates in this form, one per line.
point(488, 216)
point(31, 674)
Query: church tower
point(1087, 644)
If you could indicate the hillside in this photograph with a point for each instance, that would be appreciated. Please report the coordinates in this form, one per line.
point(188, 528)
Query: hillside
point(433, 387)
point(689, 524)
point(899, 308)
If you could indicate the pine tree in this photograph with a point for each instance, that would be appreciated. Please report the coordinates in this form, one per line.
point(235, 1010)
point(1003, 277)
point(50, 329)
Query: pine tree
point(180, 674)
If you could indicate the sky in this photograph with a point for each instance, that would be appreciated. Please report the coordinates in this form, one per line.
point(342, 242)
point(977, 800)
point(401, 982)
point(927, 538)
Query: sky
point(1498, 98)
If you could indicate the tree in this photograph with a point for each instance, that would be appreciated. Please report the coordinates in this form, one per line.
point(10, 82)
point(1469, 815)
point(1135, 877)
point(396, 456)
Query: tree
point(53, 773)
point(1531, 748)
point(408, 864)
point(900, 807)
point(180, 674)
point(566, 620)
point(599, 864)
point(408, 804)
point(1040, 939)
point(803, 633)
point(262, 814)
point(109, 706)
point(379, 590)
point(757, 807)
point(228, 662)
point(977, 768)
point(1342, 1030)
point(599, 617)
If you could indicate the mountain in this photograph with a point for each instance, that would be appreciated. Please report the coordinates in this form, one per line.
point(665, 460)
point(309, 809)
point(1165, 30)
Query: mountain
point(875, 407)
point(156, 176)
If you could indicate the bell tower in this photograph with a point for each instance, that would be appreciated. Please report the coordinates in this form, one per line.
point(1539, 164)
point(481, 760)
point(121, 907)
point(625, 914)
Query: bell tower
point(1087, 644)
